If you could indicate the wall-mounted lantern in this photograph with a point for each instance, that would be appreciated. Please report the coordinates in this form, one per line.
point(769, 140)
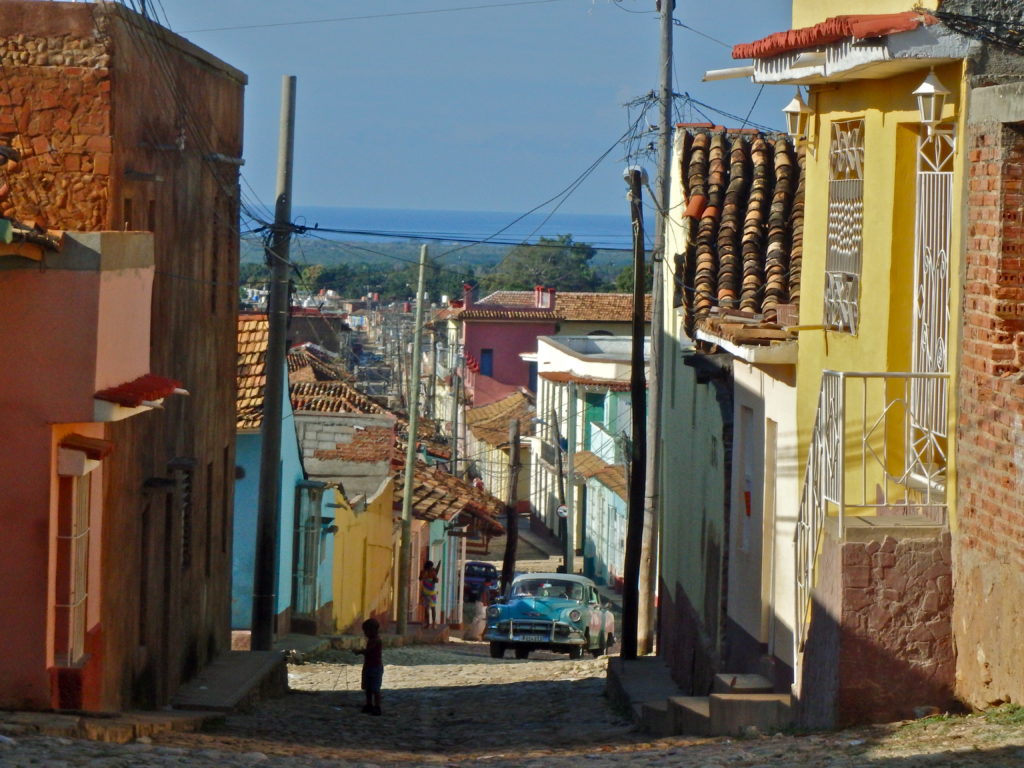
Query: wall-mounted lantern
point(931, 95)
point(798, 117)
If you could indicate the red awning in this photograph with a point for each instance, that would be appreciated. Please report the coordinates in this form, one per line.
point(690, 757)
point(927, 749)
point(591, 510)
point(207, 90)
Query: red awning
point(146, 388)
point(860, 27)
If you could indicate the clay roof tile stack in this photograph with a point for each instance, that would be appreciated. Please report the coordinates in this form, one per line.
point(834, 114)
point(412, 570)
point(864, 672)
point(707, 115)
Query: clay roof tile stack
point(250, 376)
point(745, 198)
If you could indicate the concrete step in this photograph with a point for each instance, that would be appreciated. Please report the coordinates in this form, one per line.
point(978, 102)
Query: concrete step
point(234, 680)
point(630, 684)
point(733, 713)
point(655, 718)
point(690, 715)
point(727, 682)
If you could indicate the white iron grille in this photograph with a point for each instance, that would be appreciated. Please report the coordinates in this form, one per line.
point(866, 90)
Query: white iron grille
point(931, 287)
point(845, 226)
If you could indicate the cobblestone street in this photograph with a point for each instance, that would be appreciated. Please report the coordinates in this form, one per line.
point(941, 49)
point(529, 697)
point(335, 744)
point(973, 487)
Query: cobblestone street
point(452, 705)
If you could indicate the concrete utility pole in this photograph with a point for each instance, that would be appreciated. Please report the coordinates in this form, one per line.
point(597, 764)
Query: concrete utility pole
point(638, 460)
point(456, 383)
point(405, 553)
point(268, 510)
point(508, 564)
point(647, 616)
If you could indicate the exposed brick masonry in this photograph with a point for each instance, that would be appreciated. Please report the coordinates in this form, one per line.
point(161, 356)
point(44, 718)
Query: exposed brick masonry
point(989, 557)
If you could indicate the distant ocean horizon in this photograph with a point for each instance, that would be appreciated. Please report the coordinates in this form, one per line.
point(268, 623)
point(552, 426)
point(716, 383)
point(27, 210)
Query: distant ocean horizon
point(368, 224)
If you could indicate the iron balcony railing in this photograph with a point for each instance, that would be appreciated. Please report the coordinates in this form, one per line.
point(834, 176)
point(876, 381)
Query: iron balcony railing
point(879, 447)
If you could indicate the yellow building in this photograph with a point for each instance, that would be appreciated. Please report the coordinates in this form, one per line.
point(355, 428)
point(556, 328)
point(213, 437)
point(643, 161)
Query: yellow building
point(363, 578)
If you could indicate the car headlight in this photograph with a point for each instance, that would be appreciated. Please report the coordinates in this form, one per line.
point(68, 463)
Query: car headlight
point(575, 616)
point(493, 611)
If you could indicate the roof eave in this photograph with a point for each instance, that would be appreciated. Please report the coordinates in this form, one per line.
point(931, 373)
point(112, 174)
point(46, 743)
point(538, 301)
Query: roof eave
point(852, 59)
point(780, 353)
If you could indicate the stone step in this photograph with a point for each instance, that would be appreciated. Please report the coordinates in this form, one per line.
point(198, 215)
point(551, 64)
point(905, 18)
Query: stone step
point(234, 680)
point(690, 715)
point(655, 718)
point(732, 714)
point(727, 682)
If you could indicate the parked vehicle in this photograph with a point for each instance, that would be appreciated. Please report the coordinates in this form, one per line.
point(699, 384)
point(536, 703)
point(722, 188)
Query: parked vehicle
point(555, 611)
point(477, 577)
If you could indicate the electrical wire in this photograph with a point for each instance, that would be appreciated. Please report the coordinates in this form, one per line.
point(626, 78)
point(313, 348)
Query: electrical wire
point(366, 17)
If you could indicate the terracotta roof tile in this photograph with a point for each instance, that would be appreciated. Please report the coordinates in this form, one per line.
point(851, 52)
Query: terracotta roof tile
point(599, 307)
point(439, 496)
point(587, 382)
point(832, 30)
point(309, 363)
point(332, 397)
point(145, 388)
point(253, 333)
point(744, 253)
point(586, 464)
point(490, 422)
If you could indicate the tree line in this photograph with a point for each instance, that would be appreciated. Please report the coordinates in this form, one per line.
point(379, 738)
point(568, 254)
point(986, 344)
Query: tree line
point(555, 262)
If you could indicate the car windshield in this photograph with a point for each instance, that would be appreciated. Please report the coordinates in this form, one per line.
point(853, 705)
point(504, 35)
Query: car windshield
point(548, 588)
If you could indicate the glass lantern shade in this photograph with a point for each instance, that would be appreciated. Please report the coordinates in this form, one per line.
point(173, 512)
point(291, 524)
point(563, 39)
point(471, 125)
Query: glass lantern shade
point(931, 95)
point(797, 117)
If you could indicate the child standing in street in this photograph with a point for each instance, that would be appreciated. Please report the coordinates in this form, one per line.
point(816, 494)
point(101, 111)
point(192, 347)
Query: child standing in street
point(373, 666)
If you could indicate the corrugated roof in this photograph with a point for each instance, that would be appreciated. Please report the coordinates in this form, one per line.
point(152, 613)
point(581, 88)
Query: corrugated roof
point(832, 30)
point(587, 382)
point(744, 253)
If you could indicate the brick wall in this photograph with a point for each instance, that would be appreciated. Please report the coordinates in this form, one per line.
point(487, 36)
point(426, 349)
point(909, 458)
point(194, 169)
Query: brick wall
point(989, 553)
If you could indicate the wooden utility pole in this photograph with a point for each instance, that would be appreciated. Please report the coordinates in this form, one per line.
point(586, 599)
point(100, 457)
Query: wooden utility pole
point(570, 470)
point(405, 551)
point(558, 449)
point(647, 616)
point(264, 593)
point(508, 565)
point(636, 177)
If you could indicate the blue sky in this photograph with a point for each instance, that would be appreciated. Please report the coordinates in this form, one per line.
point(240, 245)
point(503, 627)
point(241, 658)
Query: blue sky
point(494, 108)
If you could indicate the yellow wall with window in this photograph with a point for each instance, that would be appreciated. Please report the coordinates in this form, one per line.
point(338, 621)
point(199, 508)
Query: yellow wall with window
point(883, 340)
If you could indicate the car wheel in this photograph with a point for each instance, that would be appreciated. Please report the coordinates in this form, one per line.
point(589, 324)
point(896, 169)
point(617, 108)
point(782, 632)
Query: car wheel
point(611, 641)
point(522, 653)
point(576, 652)
point(497, 650)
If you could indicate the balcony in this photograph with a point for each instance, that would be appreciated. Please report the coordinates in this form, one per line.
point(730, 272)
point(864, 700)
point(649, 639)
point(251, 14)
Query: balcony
point(879, 449)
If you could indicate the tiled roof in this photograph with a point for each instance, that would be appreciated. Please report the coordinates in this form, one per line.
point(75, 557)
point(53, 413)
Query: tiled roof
point(579, 306)
point(588, 465)
point(310, 363)
point(490, 422)
point(145, 388)
point(614, 477)
point(599, 307)
point(369, 444)
point(332, 397)
point(587, 382)
point(832, 30)
point(250, 376)
point(501, 313)
point(439, 496)
point(745, 197)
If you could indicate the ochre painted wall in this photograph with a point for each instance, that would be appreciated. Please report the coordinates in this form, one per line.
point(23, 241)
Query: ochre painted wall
point(806, 13)
point(885, 334)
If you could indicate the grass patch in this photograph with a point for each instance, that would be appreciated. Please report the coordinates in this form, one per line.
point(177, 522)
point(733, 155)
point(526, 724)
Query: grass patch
point(1005, 714)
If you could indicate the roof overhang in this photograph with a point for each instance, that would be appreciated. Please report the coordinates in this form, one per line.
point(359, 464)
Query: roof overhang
point(852, 58)
point(780, 353)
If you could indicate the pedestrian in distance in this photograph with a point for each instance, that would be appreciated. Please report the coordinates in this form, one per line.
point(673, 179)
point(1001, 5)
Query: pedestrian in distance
point(428, 593)
point(373, 666)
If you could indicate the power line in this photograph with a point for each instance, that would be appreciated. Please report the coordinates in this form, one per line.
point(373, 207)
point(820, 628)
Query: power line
point(367, 17)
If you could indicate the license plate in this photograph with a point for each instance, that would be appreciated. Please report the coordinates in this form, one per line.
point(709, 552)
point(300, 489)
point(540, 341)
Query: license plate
point(533, 638)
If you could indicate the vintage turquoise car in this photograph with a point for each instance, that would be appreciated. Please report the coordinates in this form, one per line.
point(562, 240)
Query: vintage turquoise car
point(558, 612)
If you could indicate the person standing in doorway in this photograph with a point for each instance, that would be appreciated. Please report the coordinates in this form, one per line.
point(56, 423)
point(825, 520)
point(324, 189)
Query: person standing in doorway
point(428, 593)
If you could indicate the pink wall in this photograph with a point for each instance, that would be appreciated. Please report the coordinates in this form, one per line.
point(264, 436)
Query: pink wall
point(508, 339)
point(52, 356)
